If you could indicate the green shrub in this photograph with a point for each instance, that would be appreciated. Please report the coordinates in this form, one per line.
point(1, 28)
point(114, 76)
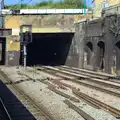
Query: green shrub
point(50, 4)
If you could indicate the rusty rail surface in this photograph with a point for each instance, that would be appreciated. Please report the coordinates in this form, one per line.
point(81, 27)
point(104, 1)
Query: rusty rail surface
point(103, 76)
point(83, 72)
point(53, 88)
point(92, 77)
point(97, 74)
point(115, 112)
point(94, 102)
point(67, 102)
point(40, 108)
point(78, 110)
point(55, 73)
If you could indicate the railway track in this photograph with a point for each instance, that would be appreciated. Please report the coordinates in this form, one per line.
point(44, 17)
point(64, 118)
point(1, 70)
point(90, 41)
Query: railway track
point(27, 108)
point(51, 87)
point(95, 78)
point(29, 104)
point(93, 74)
point(115, 112)
point(92, 101)
point(89, 73)
point(76, 78)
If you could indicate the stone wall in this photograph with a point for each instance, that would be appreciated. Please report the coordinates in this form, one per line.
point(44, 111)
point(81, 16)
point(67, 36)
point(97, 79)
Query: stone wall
point(75, 56)
point(44, 23)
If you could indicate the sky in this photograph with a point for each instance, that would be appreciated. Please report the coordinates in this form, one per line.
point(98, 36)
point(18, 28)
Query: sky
point(34, 1)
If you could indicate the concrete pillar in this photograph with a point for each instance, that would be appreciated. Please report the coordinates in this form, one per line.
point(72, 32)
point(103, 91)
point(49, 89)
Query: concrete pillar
point(81, 46)
point(108, 55)
point(95, 58)
point(109, 45)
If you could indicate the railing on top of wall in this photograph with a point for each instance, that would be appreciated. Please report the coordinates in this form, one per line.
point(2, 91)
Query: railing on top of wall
point(44, 11)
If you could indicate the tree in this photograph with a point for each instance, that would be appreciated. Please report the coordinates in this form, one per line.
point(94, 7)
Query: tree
point(50, 4)
point(74, 3)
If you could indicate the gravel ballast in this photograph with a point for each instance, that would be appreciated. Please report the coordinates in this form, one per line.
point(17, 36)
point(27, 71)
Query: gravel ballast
point(54, 103)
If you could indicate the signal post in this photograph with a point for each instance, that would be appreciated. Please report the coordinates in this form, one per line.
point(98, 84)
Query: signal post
point(25, 39)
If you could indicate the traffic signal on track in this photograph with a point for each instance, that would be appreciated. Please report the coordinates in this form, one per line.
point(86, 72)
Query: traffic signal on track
point(26, 37)
point(25, 34)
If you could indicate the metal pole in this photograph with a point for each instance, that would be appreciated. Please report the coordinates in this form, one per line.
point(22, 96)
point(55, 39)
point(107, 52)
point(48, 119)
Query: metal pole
point(93, 7)
point(25, 54)
point(84, 6)
point(92, 13)
point(21, 4)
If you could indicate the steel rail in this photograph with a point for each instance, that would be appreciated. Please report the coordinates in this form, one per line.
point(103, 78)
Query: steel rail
point(87, 73)
point(6, 111)
point(111, 78)
point(78, 110)
point(107, 76)
point(94, 79)
point(67, 102)
point(47, 116)
point(80, 82)
point(115, 112)
point(93, 75)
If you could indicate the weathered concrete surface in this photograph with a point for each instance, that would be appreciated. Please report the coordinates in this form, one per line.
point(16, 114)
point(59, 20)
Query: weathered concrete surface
point(41, 23)
point(101, 43)
point(44, 23)
point(12, 50)
point(76, 53)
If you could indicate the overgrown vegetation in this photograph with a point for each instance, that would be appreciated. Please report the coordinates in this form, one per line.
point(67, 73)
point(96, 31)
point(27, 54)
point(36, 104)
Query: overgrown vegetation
point(49, 4)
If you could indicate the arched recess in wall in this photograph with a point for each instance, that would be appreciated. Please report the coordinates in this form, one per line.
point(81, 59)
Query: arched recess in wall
point(100, 55)
point(89, 50)
point(117, 59)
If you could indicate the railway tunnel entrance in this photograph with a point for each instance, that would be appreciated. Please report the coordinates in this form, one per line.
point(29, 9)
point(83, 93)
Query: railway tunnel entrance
point(48, 49)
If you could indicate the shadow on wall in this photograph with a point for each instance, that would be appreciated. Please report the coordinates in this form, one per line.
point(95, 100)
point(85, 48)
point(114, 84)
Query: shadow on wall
point(100, 55)
point(48, 49)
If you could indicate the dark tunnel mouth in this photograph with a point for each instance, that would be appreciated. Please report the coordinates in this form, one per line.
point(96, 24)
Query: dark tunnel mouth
point(90, 45)
point(101, 46)
point(118, 44)
point(48, 49)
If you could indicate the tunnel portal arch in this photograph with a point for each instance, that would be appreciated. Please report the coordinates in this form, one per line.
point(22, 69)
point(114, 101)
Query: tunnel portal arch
point(100, 55)
point(89, 52)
